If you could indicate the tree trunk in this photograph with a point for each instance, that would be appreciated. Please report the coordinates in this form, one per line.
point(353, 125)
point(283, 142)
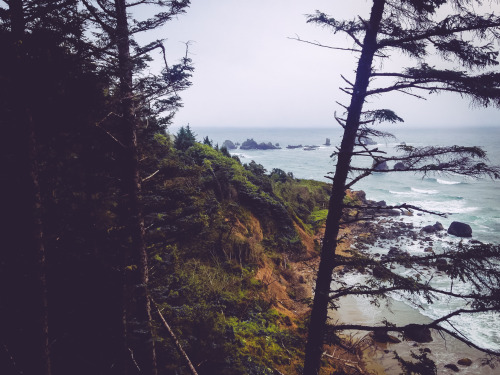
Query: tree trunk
point(40, 288)
point(319, 313)
point(138, 309)
point(36, 283)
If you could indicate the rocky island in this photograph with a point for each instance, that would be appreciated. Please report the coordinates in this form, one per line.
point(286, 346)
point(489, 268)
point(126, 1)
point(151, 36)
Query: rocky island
point(250, 144)
point(229, 145)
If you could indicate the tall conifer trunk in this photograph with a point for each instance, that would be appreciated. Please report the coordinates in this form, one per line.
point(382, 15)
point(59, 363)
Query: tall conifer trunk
point(40, 287)
point(138, 309)
point(36, 282)
point(319, 313)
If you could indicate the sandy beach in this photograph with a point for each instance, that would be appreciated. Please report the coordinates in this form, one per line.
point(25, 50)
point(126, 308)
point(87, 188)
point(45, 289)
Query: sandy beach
point(379, 359)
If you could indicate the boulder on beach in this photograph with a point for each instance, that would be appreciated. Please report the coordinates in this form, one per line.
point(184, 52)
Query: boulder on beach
point(229, 145)
point(452, 367)
point(359, 194)
point(460, 229)
point(428, 229)
point(433, 228)
point(416, 332)
point(465, 362)
point(438, 226)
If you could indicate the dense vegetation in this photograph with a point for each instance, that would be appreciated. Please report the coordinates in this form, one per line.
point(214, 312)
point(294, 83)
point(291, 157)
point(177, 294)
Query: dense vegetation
point(67, 267)
point(211, 224)
point(126, 250)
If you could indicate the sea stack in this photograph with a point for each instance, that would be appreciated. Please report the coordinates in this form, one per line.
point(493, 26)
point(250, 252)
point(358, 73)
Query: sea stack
point(229, 145)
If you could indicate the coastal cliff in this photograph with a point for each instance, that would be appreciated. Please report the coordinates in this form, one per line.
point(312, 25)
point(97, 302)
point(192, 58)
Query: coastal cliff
point(237, 247)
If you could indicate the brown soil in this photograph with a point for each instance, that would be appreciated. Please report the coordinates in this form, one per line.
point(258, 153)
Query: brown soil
point(290, 285)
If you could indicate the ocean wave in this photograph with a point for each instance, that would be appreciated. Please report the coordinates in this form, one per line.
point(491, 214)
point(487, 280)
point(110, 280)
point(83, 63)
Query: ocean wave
point(402, 192)
point(423, 191)
point(446, 182)
point(451, 206)
point(480, 328)
point(414, 192)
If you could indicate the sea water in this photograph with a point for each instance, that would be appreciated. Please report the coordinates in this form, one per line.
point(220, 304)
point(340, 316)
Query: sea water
point(473, 201)
point(476, 202)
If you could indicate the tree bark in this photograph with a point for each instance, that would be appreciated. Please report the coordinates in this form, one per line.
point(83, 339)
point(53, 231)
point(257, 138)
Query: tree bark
point(139, 327)
point(319, 313)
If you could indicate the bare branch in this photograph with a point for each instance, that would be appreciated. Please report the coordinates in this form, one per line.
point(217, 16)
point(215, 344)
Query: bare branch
point(297, 38)
point(178, 345)
point(403, 206)
point(150, 176)
point(98, 125)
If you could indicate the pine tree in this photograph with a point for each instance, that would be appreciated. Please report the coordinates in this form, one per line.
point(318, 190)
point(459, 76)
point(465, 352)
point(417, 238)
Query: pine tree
point(159, 94)
point(19, 22)
point(411, 27)
point(184, 139)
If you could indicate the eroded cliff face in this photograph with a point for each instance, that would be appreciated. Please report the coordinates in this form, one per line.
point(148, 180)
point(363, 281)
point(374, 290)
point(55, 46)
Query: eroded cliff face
point(233, 255)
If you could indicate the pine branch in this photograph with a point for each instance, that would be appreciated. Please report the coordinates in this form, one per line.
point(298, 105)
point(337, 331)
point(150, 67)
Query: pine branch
point(297, 38)
point(451, 25)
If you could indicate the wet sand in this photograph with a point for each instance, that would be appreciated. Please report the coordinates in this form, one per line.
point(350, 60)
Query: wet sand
point(379, 357)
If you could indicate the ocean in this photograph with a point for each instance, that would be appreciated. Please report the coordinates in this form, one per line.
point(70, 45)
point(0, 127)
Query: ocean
point(475, 202)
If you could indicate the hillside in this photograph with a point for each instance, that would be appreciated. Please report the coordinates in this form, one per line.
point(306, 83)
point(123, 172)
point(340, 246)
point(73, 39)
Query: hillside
point(226, 242)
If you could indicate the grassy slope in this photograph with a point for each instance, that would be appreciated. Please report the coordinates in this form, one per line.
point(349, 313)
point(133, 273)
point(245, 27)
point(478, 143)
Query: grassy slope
point(224, 243)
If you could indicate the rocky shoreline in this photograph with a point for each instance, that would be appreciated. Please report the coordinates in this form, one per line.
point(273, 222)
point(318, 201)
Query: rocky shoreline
point(391, 230)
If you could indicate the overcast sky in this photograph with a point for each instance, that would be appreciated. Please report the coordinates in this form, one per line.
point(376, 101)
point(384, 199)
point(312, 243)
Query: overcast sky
point(248, 73)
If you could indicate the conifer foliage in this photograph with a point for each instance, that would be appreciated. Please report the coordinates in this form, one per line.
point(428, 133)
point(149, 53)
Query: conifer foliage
point(185, 138)
point(74, 271)
point(415, 29)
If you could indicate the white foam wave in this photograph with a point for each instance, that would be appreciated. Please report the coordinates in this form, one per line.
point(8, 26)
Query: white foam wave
point(415, 192)
point(455, 206)
point(401, 192)
point(423, 191)
point(446, 182)
point(479, 328)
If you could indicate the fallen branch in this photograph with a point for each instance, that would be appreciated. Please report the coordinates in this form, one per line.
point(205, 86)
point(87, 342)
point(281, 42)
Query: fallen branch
point(176, 341)
point(345, 362)
point(150, 176)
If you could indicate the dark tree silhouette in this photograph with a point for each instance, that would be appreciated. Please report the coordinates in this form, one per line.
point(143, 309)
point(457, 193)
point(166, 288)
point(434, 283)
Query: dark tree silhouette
point(413, 28)
point(18, 20)
point(160, 94)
